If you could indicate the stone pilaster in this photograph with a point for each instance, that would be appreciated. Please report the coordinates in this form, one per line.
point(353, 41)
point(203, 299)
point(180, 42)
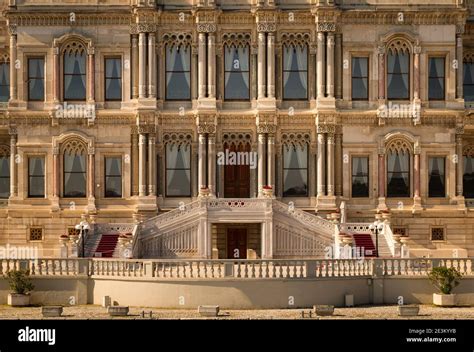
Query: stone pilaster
point(142, 65)
point(330, 65)
point(152, 65)
point(13, 165)
point(12, 29)
point(321, 168)
point(142, 165)
point(261, 163)
point(135, 66)
point(460, 68)
point(271, 65)
point(261, 65)
point(151, 165)
point(211, 164)
point(321, 65)
point(202, 160)
point(202, 87)
point(211, 65)
point(90, 76)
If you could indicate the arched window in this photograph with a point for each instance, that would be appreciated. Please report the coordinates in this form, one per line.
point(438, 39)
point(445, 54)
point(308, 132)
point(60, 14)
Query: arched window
point(4, 171)
point(468, 82)
point(178, 165)
point(468, 175)
point(4, 78)
point(398, 169)
point(74, 71)
point(295, 164)
point(398, 70)
point(237, 72)
point(178, 72)
point(75, 169)
point(295, 72)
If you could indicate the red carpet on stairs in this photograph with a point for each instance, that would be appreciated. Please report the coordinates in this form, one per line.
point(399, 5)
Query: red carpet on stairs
point(365, 240)
point(107, 245)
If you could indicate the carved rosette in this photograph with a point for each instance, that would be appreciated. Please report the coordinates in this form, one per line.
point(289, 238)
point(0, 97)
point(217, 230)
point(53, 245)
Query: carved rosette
point(206, 27)
point(206, 128)
point(326, 27)
point(266, 27)
point(326, 129)
point(142, 28)
point(263, 128)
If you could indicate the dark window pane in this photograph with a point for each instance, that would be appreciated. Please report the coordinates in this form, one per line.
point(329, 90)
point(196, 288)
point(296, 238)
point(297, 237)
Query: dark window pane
point(295, 171)
point(178, 170)
point(36, 177)
point(360, 177)
point(436, 78)
point(295, 72)
point(75, 76)
point(36, 79)
point(113, 177)
point(436, 177)
point(4, 82)
point(113, 79)
point(178, 73)
point(398, 83)
point(74, 175)
point(468, 81)
point(468, 177)
point(398, 174)
point(360, 90)
point(237, 84)
point(4, 177)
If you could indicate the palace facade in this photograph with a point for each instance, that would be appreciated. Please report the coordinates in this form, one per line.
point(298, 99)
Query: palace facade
point(237, 129)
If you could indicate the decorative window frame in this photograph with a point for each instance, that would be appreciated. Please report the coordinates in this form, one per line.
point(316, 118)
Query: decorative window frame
point(296, 139)
point(26, 174)
point(178, 139)
point(28, 234)
point(432, 227)
point(369, 174)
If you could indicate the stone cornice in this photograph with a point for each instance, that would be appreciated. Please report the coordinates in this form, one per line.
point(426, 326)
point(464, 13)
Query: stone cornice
point(60, 19)
point(453, 16)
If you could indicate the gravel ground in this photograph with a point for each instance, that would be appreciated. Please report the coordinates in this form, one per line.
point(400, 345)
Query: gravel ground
point(363, 312)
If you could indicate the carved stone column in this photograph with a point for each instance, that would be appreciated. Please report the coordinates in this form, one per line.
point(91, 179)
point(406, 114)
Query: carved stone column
point(151, 165)
point(13, 57)
point(142, 165)
point(381, 175)
point(459, 166)
point(56, 175)
point(321, 153)
point(381, 73)
point(202, 161)
point(202, 66)
point(416, 176)
point(91, 76)
point(270, 65)
point(151, 65)
point(338, 163)
point(91, 174)
point(321, 65)
point(271, 162)
point(330, 164)
point(330, 65)
point(135, 66)
point(211, 164)
point(13, 165)
point(211, 64)
point(142, 65)
point(459, 71)
point(338, 68)
point(416, 73)
point(261, 65)
point(261, 163)
point(135, 166)
point(56, 72)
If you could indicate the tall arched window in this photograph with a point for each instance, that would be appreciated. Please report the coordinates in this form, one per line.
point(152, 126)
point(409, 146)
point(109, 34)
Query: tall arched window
point(75, 169)
point(398, 169)
point(178, 165)
point(398, 70)
point(178, 72)
point(295, 72)
point(295, 164)
point(468, 81)
point(237, 72)
point(4, 171)
point(74, 71)
point(468, 175)
point(4, 78)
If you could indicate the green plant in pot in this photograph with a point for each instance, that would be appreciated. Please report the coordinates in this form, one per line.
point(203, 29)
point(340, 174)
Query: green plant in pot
point(20, 283)
point(445, 279)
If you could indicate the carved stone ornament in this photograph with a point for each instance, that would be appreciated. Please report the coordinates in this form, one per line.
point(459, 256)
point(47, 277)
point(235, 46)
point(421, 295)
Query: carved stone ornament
point(266, 27)
point(326, 27)
point(206, 27)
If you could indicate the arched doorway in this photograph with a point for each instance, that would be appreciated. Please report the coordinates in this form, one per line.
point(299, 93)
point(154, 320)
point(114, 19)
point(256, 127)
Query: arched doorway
point(237, 170)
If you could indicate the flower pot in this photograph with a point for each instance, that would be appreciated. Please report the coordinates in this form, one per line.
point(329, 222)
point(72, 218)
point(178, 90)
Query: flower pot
point(18, 300)
point(323, 310)
point(408, 310)
point(443, 300)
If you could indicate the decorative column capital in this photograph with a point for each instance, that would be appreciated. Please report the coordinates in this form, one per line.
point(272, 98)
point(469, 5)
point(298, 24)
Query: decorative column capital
point(206, 27)
point(417, 49)
point(266, 27)
point(12, 29)
point(91, 150)
point(90, 51)
point(331, 129)
point(381, 50)
point(326, 26)
point(459, 130)
point(12, 131)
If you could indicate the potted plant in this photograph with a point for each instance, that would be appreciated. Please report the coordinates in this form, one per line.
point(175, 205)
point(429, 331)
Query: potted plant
point(445, 279)
point(267, 191)
point(20, 283)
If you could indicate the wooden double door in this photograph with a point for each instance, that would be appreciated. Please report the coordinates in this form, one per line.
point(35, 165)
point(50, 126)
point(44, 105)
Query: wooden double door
point(237, 177)
point(236, 243)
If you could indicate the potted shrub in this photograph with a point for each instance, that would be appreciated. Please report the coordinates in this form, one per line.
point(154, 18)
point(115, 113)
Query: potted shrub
point(20, 283)
point(445, 279)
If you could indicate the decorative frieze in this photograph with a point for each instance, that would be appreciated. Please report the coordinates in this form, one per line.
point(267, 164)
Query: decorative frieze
point(326, 27)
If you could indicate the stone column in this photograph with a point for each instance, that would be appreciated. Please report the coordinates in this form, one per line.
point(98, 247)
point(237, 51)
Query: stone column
point(330, 164)
point(135, 66)
point(416, 73)
point(142, 65)
point(381, 176)
point(261, 163)
point(91, 175)
point(261, 65)
point(320, 65)
point(330, 65)
point(459, 166)
point(321, 152)
point(202, 161)
point(338, 69)
point(211, 64)
point(13, 168)
point(135, 167)
point(142, 165)
point(381, 73)
point(253, 76)
point(56, 73)
point(211, 164)
point(459, 71)
point(13, 58)
point(338, 163)
point(56, 176)
point(202, 61)
point(416, 176)
point(151, 65)
point(271, 162)
point(271, 65)
point(151, 165)
point(90, 76)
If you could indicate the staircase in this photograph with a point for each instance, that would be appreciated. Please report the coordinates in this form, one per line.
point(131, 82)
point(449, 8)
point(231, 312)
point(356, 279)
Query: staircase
point(364, 240)
point(106, 246)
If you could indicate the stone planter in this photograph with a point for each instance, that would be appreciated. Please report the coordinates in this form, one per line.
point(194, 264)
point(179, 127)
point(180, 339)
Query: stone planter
point(443, 300)
point(117, 311)
point(208, 311)
point(18, 300)
point(323, 311)
point(51, 311)
point(408, 310)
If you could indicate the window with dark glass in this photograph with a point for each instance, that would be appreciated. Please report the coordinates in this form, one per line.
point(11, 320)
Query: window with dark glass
point(4, 82)
point(436, 78)
point(75, 75)
point(360, 78)
point(398, 174)
point(436, 184)
point(468, 84)
point(36, 176)
point(295, 170)
point(74, 175)
point(4, 176)
point(113, 79)
point(36, 79)
point(178, 72)
point(113, 177)
point(178, 170)
point(237, 86)
point(360, 177)
point(398, 75)
point(295, 72)
point(468, 177)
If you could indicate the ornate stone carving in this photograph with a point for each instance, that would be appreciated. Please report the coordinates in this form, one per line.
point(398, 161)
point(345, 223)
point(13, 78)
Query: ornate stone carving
point(399, 145)
point(74, 146)
point(459, 129)
point(381, 49)
point(296, 139)
point(468, 150)
point(399, 45)
point(12, 29)
point(266, 128)
point(266, 27)
point(326, 27)
point(206, 128)
point(206, 27)
point(4, 150)
point(236, 138)
point(326, 128)
point(177, 39)
point(237, 40)
point(178, 139)
point(295, 39)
